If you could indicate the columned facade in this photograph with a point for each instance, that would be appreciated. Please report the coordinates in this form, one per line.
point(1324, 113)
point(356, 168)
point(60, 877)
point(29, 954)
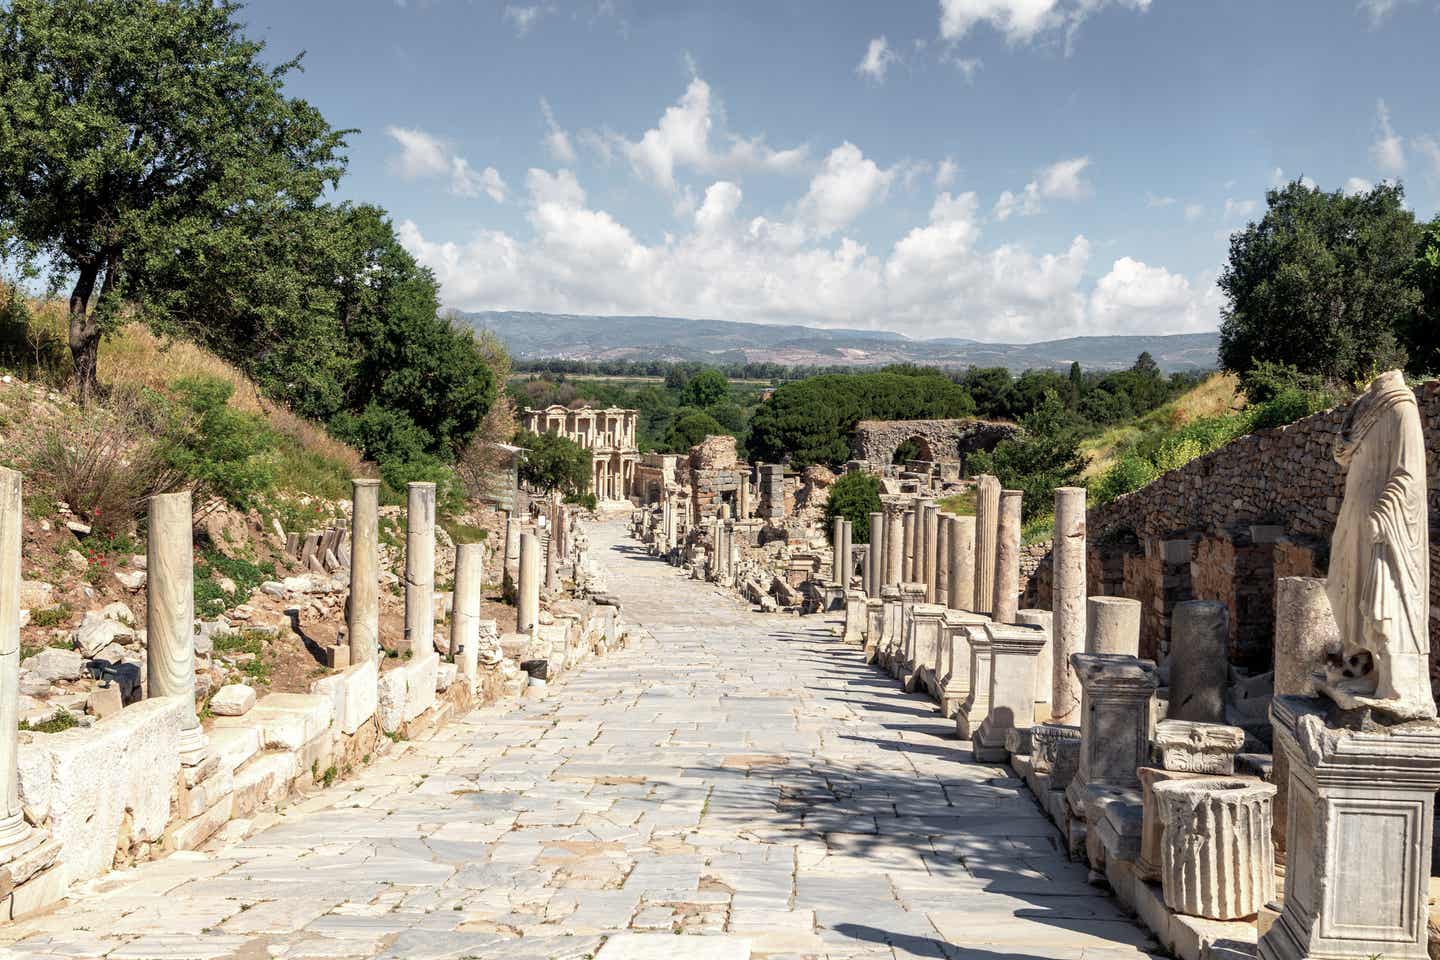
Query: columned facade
point(608, 434)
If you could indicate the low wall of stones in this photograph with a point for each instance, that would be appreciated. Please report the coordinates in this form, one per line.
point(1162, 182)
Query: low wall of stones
point(1227, 524)
point(115, 793)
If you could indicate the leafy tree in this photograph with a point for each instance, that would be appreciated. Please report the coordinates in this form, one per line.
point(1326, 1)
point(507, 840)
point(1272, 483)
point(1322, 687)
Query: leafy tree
point(1264, 381)
point(1320, 282)
point(990, 387)
point(854, 496)
point(138, 136)
point(705, 389)
point(1045, 456)
point(1420, 331)
point(691, 427)
point(552, 462)
point(1077, 384)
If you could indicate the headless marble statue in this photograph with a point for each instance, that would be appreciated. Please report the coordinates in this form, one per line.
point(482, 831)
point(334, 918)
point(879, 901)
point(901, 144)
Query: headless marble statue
point(1379, 582)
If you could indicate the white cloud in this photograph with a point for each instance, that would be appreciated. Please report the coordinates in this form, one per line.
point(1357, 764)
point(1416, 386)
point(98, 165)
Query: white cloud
point(682, 139)
point(1024, 21)
point(877, 59)
point(1151, 200)
point(1388, 150)
point(1063, 180)
point(524, 17)
point(1356, 185)
point(1237, 209)
point(968, 67)
point(938, 278)
point(424, 156)
point(946, 173)
point(1378, 10)
point(557, 141)
point(1137, 298)
point(1194, 211)
point(1429, 148)
point(846, 185)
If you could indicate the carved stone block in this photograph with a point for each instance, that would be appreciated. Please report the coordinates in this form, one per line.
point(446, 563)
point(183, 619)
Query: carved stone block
point(1189, 747)
point(1217, 859)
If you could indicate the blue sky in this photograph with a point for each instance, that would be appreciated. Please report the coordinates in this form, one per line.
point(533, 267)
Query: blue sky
point(995, 169)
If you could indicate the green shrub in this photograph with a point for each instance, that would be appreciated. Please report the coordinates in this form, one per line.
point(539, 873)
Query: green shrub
point(1262, 382)
point(854, 497)
point(584, 500)
point(55, 616)
point(62, 721)
point(226, 453)
point(1126, 476)
point(1287, 406)
point(210, 600)
point(1176, 452)
point(552, 462)
point(424, 468)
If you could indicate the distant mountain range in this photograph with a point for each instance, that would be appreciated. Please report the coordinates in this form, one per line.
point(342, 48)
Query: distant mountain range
point(535, 336)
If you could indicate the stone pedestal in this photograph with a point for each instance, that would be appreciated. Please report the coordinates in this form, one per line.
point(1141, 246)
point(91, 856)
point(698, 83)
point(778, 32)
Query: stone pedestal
point(1199, 662)
point(854, 618)
point(1115, 724)
point(961, 590)
point(987, 520)
point(874, 626)
point(170, 615)
point(1358, 837)
point(954, 667)
point(1044, 669)
point(362, 612)
point(1014, 654)
point(902, 664)
point(1067, 559)
point(1112, 626)
point(1007, 559)
point(1217, 860)
point(16, 835)
point(890, 632)
point(1055, 751)
point(420, 568)
point(976, 707)
point(927, 622)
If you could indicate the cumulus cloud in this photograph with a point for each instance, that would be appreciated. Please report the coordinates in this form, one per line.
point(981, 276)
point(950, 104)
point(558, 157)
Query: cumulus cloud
point(1237, 209)
point(1388, 150)
point(1151, 200)
point(523, 18)
point(682, 138)
point(1024, 21)
point(945, 173)
point(424, 156)
point(1378, 10)
point(1357, 185)
point(1194, 211)
point(938, 279)
point(1063, 180)
point(877, 59)
point(1429, 149)
point(846, 185)
point(557, 141)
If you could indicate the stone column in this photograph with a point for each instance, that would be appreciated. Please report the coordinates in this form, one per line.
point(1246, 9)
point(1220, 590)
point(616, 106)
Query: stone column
point(907, 566)
point(1199, 661)
point(1014, 654)
point(552, 560)
point(742, 497)
point(170, 615)
point(894, 541)
point(931, 513)
point(362, 614)
point(527, 605)
point(465, 615)
point(847, 569)
point(942, 559)
point(15, 833)
point(1217, 860)
point(987, 520)
point(1067, 559)
point(1112, 625)
point(1305, 629)
point(1115, 724)
point(420, 568)
point(875, 563)
point(961, 594)
point(837, 527)
point(512, 555)
point(1007, 559)
point(1359, 836)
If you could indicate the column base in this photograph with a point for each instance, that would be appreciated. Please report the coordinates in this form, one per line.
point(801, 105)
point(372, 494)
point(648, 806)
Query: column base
point(17, 837)
point(988, 744)
point(194, 746)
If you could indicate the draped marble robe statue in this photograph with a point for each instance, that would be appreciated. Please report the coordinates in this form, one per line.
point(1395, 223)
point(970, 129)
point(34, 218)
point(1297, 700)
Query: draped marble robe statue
point(1379, 580)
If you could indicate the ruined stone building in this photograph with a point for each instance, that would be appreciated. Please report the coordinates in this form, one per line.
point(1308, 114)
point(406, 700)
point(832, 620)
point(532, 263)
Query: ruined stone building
point(608, 434)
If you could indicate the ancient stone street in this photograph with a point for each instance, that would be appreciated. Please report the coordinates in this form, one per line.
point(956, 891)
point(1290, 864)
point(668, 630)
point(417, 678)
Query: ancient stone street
point(732, 785)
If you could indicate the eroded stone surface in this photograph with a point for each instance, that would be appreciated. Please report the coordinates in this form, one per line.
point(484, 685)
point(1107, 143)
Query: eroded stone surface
point(730, 774)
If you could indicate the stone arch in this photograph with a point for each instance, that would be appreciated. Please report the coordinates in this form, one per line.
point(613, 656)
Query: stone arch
point(948, 440)
point(925, 451)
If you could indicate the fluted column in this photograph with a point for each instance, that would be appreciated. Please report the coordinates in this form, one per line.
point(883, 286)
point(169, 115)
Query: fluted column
point(911, 535)
point(962, 563)
point(894, 541)
point(1217, 858)
point(14, 831)
point(837, 535)
point(170, 614)
point(465, 617)
point(942, 559)
point(846, 559)
point(362, 615)
point(1007, 559)
point(931, 563)
point(420, 568)
point(987, 521)
point(1067, 559)
point(875, 562)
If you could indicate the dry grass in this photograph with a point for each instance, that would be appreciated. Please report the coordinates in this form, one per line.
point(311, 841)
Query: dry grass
point(1215, 396)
